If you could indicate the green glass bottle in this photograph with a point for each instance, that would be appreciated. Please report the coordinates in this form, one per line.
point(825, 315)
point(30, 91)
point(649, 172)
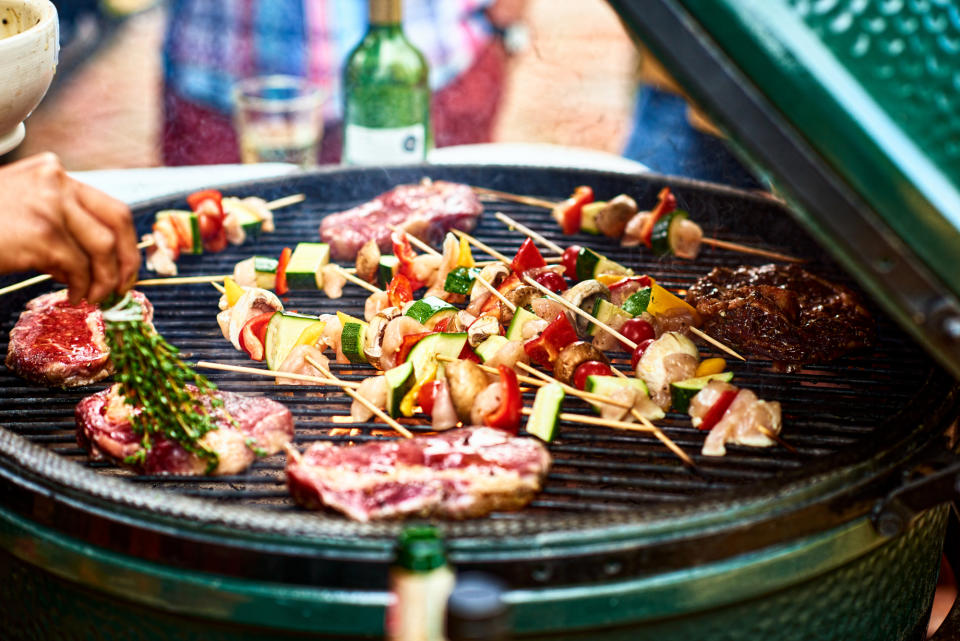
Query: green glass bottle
point(386, 114)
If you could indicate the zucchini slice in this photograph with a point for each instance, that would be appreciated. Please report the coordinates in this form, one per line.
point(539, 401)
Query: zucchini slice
point(428, 311)
point(588, 216)
point(604, 311)
point(399, 381)
point(520, 318)
point(351, 341)
point(424, 354)
point(387, 269)
point(546, 412)
point(605, 386)
point(489, 347)
point(664, 231)
point(460, 280)
point(590, 264)
point(283, 331)
point(266, 270)
point(306, 263)
point(682, 392)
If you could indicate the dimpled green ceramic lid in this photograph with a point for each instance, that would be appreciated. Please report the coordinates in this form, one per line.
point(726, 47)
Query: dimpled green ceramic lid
point(851, 108)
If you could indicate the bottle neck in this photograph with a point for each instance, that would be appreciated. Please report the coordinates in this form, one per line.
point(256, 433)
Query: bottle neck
point(386, 13)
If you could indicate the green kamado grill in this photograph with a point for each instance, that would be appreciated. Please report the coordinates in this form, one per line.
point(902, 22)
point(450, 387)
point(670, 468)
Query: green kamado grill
point(841, 539)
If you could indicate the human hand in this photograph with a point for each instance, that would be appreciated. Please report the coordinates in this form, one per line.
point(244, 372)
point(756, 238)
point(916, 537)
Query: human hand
point(55, 224)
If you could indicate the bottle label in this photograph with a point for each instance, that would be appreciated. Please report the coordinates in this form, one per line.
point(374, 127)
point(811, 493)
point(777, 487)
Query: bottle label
point(376, 146)
point(418, 606)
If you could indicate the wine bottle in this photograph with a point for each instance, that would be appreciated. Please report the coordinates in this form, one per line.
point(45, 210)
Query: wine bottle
point(386, 114)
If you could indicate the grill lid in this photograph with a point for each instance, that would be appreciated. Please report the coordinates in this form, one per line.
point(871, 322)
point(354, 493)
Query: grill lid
point(851, 110)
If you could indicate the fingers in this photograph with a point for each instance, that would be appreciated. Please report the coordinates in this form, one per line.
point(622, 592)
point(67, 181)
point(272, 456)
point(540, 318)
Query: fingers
point(115, 216)
point(99, 244)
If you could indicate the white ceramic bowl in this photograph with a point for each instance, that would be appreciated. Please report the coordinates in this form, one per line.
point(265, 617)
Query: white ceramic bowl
point(29, 50)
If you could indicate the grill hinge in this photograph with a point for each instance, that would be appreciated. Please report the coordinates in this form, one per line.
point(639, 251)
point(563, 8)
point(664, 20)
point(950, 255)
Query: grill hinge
point(926, 486)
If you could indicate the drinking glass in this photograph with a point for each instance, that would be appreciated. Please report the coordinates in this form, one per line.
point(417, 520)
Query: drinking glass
point(278, 119)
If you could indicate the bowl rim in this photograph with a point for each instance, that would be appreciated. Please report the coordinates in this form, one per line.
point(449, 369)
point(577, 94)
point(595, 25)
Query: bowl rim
point(48, 14)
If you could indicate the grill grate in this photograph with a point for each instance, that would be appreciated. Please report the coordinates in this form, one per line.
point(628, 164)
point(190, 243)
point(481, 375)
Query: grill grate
point(830, 411)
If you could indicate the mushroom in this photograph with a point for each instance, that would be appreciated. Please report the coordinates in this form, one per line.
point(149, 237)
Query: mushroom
point(466, 381)
point(494, 274)
point(368, 261)
point(255, 301)
point(574, 355)
point(373, 338)
point(481, 329)
point(521, 297)
point(461, 321)
point(613, 218)
point(672, 357)
point(584, 295)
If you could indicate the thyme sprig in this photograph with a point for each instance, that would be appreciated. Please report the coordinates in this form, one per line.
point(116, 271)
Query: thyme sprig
point(154, 379)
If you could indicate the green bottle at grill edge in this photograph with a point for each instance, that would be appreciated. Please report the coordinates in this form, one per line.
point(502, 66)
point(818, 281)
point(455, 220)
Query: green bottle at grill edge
point(386, 114)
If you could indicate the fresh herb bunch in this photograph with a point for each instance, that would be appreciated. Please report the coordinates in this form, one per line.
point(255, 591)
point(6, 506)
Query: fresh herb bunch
point(153, 378)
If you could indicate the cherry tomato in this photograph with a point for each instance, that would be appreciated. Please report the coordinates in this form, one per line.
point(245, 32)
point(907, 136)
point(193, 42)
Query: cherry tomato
point(638, 330)
point(427, 395)
point(590, 368)
point(552, 281)
point(570, 256)
point(637, 353)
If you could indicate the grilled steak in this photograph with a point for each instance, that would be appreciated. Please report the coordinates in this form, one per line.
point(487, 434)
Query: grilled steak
point(782, 312)
point(458, 474)
point(428, 211)
point(58, 344)
point(103, 429)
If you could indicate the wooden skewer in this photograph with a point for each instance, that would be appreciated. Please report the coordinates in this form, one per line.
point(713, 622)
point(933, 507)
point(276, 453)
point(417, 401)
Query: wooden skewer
point(563, 301)
point(593, 420)
point(370, 406)
point(715, 242)
point(358, 281)
point(286, 201)
point(766, 431)
point(276, 374)
point(25, 283)
point(543, 240)
point(220, 288)
point(493, 290)
point(182, 280)
point(573, 391)
point(493, 370)
point(715, 342)
point(414, 240)
point(476, 243)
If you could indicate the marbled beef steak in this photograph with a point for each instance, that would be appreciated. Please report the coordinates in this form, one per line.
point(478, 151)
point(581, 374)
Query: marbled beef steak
point(458, 474)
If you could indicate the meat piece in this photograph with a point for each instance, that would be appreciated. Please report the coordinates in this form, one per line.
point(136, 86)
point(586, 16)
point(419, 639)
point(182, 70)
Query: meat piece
point(744, 423)
point(58, 344)
point(427, 210)
point(296, 363)
point(373, 389)
point(333, 281)
point(458, 474)
point(368, 262)
point(103, 429)
point(782, 312)
point(486, 402)
point(444, 414)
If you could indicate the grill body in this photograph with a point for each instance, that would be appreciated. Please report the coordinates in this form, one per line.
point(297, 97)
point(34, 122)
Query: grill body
point(622, 538)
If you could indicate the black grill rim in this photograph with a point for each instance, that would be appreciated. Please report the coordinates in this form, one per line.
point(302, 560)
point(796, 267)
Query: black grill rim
point(846, 479)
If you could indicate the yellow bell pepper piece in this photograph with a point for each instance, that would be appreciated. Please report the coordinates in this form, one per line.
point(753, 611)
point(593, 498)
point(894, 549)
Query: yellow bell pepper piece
point(347, 318)
point(465, 257)
point(311, 334)
point(710, 366)
point(409, 402)
point(662, 300)
point(234, 291)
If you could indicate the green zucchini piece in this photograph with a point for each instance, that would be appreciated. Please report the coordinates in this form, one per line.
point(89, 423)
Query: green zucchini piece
point(250, 222)
point(387, 269)
point(638, 301)
point(590, 264)
point(682, 392)
point(426, 309)
point(664, 230)
point(520, 318)
point(605, 386)
point(399, 381)
point(460, 280)
point(424, 354)
point(351, 341)
point(303, 271)
point(266, 271)
point(546, 412)
point(283, 330)
point(490, 346)
point(604, 311)
point(588, 216)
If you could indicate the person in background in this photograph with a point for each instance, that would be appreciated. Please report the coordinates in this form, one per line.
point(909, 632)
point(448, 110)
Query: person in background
point(210, 45)
point(57, 225)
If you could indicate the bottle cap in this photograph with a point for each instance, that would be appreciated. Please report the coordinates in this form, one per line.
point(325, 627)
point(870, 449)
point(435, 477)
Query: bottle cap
point(386, 12)
point(476, 610)
point(421, 549)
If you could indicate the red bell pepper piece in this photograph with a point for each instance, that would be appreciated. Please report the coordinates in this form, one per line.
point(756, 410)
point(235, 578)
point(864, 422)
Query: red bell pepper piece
point(216, 242)
point(507, 416)
point(528, 257)
point(405, 254)
point(545, 348)
point(400, 290)
point(644, 281)
point(667, 203)
point(197, 198)
point(407, 344)
point(467, 354)
point(208, 205)
point(717, 410)
point(442, 325)
point(281, 286)
point(253, 335)
point(427, 396)
point(569, 212)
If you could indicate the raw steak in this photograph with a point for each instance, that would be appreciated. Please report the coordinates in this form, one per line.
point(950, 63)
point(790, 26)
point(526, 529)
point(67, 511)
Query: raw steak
point(428, 211)
point(58, 344)
point(103, 429)
point(458, 474)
